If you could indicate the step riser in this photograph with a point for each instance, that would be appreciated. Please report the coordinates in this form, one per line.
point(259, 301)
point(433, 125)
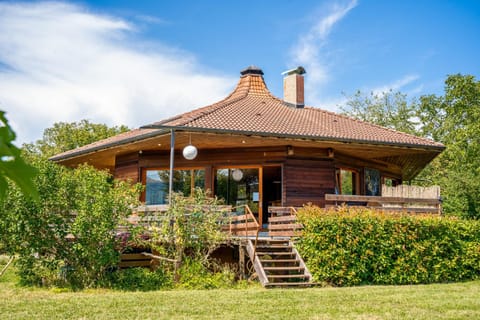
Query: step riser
point(268, 264)
point(278, 264)
point(261, 246)
point(287, 276)
point(267, 253)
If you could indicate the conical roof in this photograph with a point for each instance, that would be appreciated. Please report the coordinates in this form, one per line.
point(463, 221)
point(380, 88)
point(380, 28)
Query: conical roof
point(252, 109)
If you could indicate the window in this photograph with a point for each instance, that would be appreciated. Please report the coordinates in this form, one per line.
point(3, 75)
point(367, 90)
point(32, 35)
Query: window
point(390, 182)
point(238, 187)
point(346, 181)
point(372, 182)
point(184, 181)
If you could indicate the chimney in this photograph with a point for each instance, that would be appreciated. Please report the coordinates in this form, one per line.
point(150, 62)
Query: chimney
point(293, 92)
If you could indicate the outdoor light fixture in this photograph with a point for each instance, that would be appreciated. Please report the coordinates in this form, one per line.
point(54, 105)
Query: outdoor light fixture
point(237, 174)
point(190, 152)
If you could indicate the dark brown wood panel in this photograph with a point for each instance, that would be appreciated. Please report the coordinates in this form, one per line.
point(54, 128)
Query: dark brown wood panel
point(127, 172)
point(307, 181)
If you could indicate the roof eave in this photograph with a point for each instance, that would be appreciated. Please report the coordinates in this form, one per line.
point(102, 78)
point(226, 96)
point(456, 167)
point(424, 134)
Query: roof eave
point(437, 148)
point(62, 157)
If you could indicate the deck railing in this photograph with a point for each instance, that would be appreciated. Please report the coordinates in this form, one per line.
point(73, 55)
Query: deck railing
point(236, 221)
point(283, 222)
point(242, 222)
point(394, 204)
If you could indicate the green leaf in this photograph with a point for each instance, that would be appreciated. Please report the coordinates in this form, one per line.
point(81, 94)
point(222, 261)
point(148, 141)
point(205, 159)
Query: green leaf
point(12, 165)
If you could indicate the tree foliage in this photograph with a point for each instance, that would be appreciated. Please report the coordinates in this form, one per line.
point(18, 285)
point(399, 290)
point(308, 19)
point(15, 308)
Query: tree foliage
point(12, 165)
point(388, 109)
point(68, 236)
point(72, 225)
point(189, 231)
point(67, 136)
point(454, 120)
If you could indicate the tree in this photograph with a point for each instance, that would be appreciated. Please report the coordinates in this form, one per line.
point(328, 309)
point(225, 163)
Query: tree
point(388, 109)
point(66, 238)
point(190, 230)
point(12, 165)
point(454, 120)
point(67, 136)
point(71, 226)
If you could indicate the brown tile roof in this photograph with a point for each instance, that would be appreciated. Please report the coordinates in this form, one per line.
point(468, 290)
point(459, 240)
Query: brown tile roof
point(252, 109)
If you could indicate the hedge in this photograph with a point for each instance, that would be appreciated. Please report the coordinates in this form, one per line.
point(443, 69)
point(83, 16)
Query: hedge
point(353, 246)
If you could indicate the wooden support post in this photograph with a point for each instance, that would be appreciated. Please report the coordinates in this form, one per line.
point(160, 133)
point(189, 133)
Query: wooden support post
point(172, 159)
point(241, 260)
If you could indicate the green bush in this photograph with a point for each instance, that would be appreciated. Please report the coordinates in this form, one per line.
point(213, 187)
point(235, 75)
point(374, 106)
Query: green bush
point(190, 230)
point(354, 246)
point(140, 279)
point(68, 236)
point(194, 275)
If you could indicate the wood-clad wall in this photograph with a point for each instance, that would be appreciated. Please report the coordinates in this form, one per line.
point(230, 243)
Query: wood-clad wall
point(307, 181)
point(126, 168)
point(307, 175)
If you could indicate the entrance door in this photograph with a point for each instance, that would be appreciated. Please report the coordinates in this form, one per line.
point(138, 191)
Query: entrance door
point(272, 189)
point(240, 186)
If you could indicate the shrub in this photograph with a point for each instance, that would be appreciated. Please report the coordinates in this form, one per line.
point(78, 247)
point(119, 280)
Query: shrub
point(354, 246)
point(139, 279)
point(189, 231)
point(195, 275)
point(67, 237)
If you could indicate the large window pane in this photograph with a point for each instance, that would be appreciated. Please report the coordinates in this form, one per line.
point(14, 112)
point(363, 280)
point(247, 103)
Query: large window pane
point(238, 187)
point(184, 181)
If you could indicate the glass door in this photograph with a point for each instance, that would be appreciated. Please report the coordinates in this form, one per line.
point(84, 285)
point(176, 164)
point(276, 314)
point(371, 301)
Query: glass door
point(239, 186)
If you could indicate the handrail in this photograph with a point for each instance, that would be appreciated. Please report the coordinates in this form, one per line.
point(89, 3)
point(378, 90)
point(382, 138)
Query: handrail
point(280, 209)
point(249, 214)
point(293, 211)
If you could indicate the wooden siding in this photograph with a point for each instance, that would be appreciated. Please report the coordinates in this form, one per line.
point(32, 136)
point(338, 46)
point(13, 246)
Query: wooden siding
point(307, 175)
point(216, 157)
point(126, 168)
point(307, 181)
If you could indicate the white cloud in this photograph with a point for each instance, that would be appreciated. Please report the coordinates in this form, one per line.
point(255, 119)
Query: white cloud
point(396, 85)
point(60, 62)
point(308, 50)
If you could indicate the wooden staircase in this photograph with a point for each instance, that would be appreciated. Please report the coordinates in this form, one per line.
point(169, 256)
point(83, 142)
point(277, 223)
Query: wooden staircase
point(278, 264)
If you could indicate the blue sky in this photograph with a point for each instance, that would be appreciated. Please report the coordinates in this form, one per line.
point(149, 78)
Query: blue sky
point(135, 62)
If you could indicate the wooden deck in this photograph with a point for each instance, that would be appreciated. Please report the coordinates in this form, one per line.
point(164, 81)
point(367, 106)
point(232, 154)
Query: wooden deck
point(274, 266)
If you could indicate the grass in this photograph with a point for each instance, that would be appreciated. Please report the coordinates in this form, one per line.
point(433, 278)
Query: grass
point(440, 301)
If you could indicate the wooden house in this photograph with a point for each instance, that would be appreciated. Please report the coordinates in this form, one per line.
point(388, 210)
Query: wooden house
point(256, 149)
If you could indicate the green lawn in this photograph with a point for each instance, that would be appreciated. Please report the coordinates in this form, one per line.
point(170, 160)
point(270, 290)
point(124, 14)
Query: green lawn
point(442, 301)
